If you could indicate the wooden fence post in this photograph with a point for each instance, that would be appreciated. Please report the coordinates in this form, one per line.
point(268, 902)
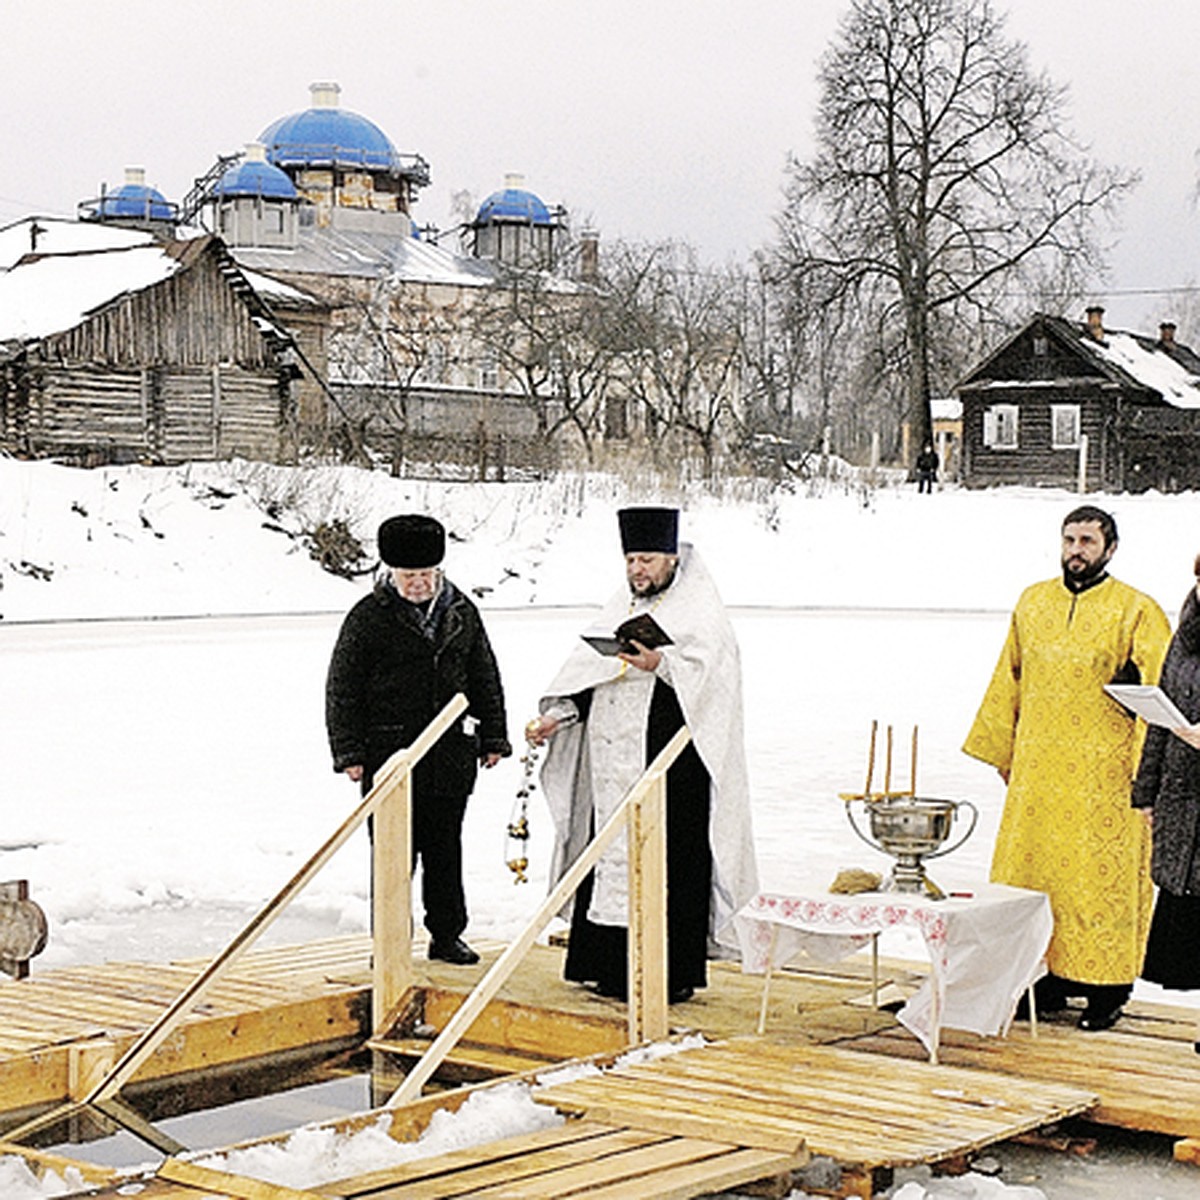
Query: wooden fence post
point(648, 915)
point(391, 900)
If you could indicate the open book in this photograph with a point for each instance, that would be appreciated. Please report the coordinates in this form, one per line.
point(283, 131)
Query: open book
point(1149, 702)
point(640, 628)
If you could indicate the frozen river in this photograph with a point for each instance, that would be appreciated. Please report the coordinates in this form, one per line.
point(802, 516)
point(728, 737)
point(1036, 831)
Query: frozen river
point(163, 777)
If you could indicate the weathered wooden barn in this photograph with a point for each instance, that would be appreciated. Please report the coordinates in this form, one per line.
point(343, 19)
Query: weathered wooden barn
point(116, 346)
point(1062, 403)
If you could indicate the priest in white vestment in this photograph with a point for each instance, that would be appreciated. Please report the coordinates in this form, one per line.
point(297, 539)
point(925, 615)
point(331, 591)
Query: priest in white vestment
point(607, 716)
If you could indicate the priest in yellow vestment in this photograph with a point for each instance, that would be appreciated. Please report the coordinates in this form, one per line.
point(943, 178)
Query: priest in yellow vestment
point(1069, 753)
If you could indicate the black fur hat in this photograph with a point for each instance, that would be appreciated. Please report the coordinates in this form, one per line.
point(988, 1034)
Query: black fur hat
point(412, 542)
point(649, 530)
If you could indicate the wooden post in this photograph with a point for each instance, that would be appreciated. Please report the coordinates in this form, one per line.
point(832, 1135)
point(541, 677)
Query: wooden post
point(647, 941)
point(1081, 487)
point(391, 900)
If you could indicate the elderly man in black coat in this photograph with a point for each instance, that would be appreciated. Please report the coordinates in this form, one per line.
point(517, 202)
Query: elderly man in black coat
point(402, 653)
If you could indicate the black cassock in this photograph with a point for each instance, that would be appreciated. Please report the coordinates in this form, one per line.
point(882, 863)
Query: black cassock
point(597, 954)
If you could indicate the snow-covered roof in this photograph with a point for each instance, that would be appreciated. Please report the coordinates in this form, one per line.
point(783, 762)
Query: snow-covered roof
point(368, 254)
point(275, 290)
point(947, 408)
point(64, 235)
point(1170, 370)
point(1149, 364)
point(48, 295)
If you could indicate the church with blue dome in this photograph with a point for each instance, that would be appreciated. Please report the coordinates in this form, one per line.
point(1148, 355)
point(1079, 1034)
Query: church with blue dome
point(323, 202)
point(134, 203)
point(513, 226)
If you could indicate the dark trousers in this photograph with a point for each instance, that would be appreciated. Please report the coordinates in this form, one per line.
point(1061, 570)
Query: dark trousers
point(437, 845)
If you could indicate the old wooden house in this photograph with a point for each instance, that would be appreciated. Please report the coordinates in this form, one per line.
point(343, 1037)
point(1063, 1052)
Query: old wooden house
point(116, 346)
point(1073, 404)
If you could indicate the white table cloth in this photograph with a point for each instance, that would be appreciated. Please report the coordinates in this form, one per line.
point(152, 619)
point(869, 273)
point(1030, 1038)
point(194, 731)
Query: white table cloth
point(985, 949)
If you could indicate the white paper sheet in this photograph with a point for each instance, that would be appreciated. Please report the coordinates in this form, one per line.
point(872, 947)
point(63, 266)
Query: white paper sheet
point(1149, 702)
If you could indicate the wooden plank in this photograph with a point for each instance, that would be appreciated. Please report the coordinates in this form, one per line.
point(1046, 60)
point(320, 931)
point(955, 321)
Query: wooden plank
point(222, 1183)
point(526, 1028)
point(40, 1162)
point(729, 1172)
point(508, 1160)
point(633, 1167)
point(465, 1054)
point(391, 901)
point(715, 1128)
point(647, 905)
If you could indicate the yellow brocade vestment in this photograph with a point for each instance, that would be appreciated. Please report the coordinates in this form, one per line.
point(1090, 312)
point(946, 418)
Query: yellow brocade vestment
point(1071, 752)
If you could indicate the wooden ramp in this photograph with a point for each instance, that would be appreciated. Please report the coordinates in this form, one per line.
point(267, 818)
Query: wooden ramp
point(703, 1120)
point(589, 1158)
point(843, 1104)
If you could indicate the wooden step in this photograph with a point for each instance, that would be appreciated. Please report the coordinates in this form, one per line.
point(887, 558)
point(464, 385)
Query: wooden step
point(489, 1060)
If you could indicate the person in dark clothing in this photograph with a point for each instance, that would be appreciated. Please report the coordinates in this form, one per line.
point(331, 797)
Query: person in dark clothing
point(1167, 789)
point(403, 652)
point(927, 468)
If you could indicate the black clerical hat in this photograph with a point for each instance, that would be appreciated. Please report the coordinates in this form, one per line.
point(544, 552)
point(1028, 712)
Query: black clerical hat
point(649, 530)
point(412, 542)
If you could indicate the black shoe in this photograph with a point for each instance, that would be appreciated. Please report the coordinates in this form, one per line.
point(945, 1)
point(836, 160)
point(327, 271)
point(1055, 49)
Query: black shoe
point(1096, 1017)
point(680, 995)
point(457, 952)
point(610, 991)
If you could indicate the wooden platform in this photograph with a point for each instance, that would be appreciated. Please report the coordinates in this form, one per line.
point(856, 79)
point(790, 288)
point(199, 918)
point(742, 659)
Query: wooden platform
point(834, 1077)
point(843, 1104)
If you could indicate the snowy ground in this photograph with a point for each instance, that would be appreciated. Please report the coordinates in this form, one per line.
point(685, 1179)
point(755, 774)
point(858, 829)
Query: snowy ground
point(164, 640)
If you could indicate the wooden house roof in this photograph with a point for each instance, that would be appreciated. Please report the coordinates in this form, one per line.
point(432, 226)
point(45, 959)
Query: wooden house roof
point(1166, 371)
point(44, 292)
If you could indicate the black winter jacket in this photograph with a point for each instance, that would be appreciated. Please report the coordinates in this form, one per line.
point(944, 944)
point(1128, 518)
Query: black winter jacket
point(388, 679)
point(1168, 778)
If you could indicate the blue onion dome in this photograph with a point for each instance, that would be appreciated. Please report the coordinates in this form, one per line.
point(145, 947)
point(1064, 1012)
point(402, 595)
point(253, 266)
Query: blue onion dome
point(254, 176)
point(328, 136)
point(513, 204)
point(134, 198)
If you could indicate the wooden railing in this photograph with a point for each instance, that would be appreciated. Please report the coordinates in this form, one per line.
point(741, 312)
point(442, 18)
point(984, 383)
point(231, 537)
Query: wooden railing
point(643, 812)
point(392, 969)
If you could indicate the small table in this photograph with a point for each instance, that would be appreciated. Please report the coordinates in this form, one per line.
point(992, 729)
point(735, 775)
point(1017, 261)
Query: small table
point(986, 948)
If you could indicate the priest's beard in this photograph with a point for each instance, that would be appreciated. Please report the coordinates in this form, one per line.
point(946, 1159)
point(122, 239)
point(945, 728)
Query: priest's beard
point(1080, 581)
point(653, 589)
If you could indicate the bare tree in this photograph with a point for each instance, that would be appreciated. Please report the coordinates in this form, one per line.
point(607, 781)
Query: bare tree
point(943, 175)
point(546, 334)
point(678, 328)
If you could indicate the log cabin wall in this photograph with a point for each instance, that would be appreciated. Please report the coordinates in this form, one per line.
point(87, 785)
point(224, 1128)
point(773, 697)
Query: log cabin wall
point(175, 372)
point(1035, 461)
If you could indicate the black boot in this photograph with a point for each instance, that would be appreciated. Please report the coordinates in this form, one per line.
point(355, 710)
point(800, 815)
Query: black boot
point(1104, 1004)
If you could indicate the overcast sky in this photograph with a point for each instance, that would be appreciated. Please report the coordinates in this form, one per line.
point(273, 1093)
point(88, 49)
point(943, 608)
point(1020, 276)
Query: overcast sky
point(647, 120)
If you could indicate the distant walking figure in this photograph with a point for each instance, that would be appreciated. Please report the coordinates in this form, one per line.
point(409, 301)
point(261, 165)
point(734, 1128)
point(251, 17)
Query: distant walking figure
point(927, 469)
